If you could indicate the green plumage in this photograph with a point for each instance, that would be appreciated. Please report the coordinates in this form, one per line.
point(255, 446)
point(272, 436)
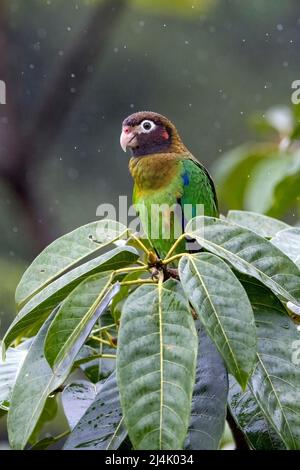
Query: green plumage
point(169, 179)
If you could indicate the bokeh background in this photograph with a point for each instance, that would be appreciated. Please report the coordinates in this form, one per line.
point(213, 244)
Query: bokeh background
point(75, 69)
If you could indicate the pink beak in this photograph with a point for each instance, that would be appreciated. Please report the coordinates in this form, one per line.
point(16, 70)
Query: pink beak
point(128, 138)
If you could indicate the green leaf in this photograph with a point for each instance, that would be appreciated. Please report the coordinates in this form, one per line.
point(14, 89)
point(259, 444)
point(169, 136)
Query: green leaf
point(275, 185)
point(76, 317)
point(34, 383)
point(98, 367)
point(9, 370)
point(156, 361)
point(251, 420)
point(261, 224)
point(118, 300)
point(64, 253)
point(39, 307)
point(275, 383)
point(102, 426)
point(286, 192)
point(259, 194)
point(234, 170)
point(223, 308)
point(248, 253)
point(46, 442)
point(85, 355)
point(90, 360)
point(48, 414)
point(209, 401)
point(76, 398)
point(288, 241)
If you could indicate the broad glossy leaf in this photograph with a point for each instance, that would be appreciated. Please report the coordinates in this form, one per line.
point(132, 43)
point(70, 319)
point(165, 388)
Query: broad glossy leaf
point(259, 195)
point(39, 307)
point(275, 383)
point(287, 190)
point(223, 308)
point(76, 317)
point(102, 426)
point(156, 361)
point(118, 300)
point(34, 383)
point(99, 368)
point(9, 370)
point(87, 353)
point(248, 253)
point(288, 241)
point(261, 224)
point(209, 401)
point(248, 415)
point(64, 253)
point(46, 442)
point(76, 398)
point(89, 358)
point(49, 413)
point(234, 170)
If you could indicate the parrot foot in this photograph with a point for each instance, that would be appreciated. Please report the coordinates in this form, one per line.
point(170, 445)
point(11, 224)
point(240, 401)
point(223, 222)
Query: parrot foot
point(155, 273)
point(171, 272)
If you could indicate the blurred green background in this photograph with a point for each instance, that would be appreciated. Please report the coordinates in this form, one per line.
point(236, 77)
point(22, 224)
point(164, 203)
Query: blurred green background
point(74, 70)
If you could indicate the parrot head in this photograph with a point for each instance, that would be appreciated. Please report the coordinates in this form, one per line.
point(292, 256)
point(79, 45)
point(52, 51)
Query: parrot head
point(146, 133)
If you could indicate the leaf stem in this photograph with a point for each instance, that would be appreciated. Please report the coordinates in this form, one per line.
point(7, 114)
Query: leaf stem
point(141, 263)
point(100, 340)
point(108, 356)
point(140, 244)
point(131, 269)
point(173, 258)
point(173, 247)
point(103, 328)
point(138, 281)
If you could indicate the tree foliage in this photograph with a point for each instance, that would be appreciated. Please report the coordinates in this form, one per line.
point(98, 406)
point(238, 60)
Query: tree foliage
point(265, 173)
point(158, 345)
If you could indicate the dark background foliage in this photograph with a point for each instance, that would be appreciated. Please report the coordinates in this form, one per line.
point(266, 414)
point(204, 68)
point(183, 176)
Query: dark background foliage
point(75, 69)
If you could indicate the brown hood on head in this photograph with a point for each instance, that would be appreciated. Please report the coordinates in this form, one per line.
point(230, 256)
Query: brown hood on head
point(147, 133)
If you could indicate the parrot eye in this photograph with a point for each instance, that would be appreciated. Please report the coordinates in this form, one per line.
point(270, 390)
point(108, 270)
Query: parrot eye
point(147, 125)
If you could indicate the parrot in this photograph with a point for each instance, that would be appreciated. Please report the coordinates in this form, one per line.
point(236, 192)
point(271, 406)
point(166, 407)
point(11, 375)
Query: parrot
point(167, 177)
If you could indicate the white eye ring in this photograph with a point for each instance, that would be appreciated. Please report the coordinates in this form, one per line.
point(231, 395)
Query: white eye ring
point(147, 126)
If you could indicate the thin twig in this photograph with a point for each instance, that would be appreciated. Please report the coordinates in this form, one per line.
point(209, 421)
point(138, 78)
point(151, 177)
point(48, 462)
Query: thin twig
point(138, 282)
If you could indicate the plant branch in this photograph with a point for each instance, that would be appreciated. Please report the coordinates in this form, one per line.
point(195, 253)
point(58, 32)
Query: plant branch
point(238, 436)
